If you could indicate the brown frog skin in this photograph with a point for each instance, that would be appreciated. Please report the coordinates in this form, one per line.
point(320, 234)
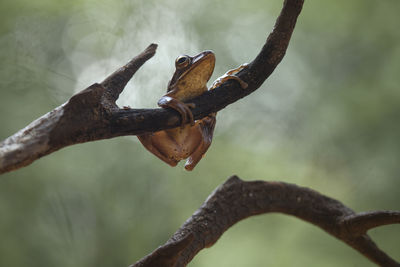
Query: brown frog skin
point(193, 138)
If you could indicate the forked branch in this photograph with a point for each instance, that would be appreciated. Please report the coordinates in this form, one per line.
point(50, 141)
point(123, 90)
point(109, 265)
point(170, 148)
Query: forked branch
point(236, 200)
point(93, 115)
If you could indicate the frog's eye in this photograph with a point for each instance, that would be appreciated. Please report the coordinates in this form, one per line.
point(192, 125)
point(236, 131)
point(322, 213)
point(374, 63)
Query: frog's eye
point(182, 61)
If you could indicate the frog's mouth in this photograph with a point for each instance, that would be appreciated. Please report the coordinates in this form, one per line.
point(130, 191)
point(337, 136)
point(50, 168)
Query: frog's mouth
point(205, 55)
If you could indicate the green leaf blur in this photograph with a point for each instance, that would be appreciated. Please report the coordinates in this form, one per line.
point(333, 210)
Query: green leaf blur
point(328, 118)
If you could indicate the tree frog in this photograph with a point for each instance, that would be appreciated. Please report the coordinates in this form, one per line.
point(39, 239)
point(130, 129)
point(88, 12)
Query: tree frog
point(192, 139)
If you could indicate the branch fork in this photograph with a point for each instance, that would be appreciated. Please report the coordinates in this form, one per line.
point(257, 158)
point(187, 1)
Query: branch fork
point(236, 200)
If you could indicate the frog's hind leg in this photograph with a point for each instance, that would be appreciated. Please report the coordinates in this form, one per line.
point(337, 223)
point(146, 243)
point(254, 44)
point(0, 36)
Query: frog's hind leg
point(206, 127)
point(231, 75)
point(147, 141)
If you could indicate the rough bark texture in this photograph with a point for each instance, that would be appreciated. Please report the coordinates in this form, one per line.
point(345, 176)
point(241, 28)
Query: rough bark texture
point(93, 115)
point(236, 200)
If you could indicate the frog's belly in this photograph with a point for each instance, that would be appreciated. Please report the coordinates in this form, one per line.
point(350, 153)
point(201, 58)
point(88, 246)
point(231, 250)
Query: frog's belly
point(178, 143)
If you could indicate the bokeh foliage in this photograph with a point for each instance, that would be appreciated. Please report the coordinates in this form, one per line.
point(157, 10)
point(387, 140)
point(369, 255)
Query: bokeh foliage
point(328, 118)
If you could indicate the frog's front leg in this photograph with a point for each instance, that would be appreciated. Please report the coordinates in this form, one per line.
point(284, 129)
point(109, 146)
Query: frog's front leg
point(230, 75)
point(182, 108)
point(206, 127)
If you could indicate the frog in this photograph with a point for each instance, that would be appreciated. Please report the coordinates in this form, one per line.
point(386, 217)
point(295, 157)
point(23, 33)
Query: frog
point(192, 138)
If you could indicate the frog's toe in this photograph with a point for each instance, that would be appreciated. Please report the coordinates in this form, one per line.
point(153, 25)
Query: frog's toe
point(189, 113)
point(242, 83)
point(231, 75)
point(186, 114)
point(191, 105)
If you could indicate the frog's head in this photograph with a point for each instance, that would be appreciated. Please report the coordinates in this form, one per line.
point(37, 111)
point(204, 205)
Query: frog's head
point(192, 74)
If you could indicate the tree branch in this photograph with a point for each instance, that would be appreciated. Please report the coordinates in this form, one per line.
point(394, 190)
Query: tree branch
point(93, 115)
point(82, 119)
point(116, 82)
point(236, 200)
point(362, 222)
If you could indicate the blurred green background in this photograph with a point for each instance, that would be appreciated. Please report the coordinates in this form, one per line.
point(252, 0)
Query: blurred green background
point(328, 118)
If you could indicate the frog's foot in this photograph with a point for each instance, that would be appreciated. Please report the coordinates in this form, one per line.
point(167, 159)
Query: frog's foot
point(231, 75)
point(182, 108)
point(224, 78)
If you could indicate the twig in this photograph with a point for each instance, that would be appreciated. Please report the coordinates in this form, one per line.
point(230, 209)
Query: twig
point(117, 81)
point(362, 222)
point(236, 200)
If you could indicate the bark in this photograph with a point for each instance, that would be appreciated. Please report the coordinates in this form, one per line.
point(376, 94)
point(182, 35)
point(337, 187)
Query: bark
point(236, 200)
point(93, 115)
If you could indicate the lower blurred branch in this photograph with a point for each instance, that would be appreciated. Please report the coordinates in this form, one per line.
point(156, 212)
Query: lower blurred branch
point(236, 200)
